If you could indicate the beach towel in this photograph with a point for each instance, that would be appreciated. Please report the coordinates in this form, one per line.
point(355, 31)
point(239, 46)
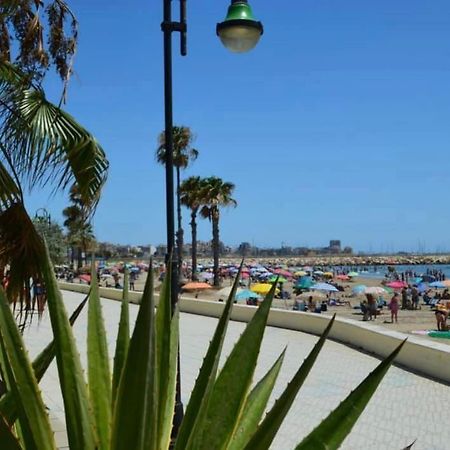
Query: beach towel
point(433, 333)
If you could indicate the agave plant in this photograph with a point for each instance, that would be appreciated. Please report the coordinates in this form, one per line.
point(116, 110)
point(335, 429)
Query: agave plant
point(221, 414)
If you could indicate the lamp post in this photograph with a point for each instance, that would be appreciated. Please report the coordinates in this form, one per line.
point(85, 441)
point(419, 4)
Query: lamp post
point(239, 32)
point(44, 216)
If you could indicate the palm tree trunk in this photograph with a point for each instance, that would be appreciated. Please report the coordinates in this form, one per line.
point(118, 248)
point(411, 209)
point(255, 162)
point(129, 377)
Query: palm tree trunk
point(194, 243)
point(215, 245)
point(180, 228)
point(79, 258)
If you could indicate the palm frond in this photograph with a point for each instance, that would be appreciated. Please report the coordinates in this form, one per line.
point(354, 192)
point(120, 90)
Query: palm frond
point(22, 248)
point(183, 153)
point(46, 144)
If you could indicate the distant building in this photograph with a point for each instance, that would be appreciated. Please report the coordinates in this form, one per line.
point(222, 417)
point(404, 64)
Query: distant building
point(335, 246)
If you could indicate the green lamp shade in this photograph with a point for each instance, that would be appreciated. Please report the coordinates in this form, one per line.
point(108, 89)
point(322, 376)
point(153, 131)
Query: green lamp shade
point(239, 32)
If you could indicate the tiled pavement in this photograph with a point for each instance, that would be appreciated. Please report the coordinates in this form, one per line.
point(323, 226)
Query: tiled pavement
point(405, 407)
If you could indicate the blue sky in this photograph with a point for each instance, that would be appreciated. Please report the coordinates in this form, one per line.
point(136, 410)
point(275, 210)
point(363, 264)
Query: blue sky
point(336, 126)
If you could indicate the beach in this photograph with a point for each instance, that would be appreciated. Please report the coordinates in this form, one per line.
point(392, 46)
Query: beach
point(409, 321)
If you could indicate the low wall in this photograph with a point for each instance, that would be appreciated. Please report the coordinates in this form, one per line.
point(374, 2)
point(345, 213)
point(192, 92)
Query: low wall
point(426, 357)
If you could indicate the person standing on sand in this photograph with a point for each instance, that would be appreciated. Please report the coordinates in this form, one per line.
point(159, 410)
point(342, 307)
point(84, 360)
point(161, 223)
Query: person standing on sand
point(414, 298)
point(393, 306)
point(372, 306)
point(404, 298)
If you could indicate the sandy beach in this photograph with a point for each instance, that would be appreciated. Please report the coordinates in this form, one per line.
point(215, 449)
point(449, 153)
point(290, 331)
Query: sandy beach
point(408, 320)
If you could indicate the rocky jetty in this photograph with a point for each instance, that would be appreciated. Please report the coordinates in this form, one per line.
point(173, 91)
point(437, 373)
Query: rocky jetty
point(338, 260)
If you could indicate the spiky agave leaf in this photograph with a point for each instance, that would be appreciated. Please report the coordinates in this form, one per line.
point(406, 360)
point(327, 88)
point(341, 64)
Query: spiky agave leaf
point(79, 422)
point(99, 375)
point(332, 431)
point(267, 430)
point(166, 343)
point(207, 375)
point(25, 388)
point(136, 427)
point(8, 407)
point(227, 399)
point(255, 405)
point(123, 337)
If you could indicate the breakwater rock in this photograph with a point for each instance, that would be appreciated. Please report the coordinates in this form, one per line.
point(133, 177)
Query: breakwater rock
point(338, 260)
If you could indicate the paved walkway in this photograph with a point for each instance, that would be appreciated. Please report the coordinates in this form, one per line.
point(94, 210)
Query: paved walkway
point(405, 407)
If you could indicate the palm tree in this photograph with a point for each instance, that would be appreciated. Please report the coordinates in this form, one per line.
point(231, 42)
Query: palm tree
point(36, 35)
point(191, 196)
point(79, 231)
point(39, 143)
point(216, 193)
point(183, 155)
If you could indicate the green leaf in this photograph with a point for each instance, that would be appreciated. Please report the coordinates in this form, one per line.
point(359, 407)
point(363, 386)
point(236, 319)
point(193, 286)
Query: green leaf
point(44, 142)
point(255, 406)
point(7, 438)
point(268, 429)
point(207, 374)
point(22, 427)
point(8, 407)
point(99, 374)
point(135, 417)
point(80, 429)
point(166, 360)
point(123, 337)
point(167, 409)
point(334, 429)
point(225, 405)
point(26, 389)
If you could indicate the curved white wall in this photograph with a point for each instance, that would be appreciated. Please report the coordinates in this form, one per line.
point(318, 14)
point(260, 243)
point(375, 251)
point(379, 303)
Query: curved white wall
point(426, 357)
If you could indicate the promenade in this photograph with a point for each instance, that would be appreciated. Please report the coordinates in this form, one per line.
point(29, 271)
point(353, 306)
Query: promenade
point(406, 406)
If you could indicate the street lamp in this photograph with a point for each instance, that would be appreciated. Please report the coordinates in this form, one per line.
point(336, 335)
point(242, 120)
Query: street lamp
point(44, 216)
point(239, 32)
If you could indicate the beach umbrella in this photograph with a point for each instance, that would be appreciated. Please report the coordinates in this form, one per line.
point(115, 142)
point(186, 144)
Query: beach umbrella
point(359, 289)
point(314, 295)
point(304, 283)
point(318, 272)
point(86, 278)
point(196, 285)
point(397, 284)
point(437, 284)
point(261, 288)
point(324, 287)
point(300, 273)
point(206, 275)
point(417, 280)
point(343, 277)
point(283, 272)
point(280, 279)
point(422, 287)
point(353, 274)
point(328, 274)
point(245, 294)
point(376, 290)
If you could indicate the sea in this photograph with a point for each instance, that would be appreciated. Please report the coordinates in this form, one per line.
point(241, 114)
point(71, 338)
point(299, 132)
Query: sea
point(381, 271)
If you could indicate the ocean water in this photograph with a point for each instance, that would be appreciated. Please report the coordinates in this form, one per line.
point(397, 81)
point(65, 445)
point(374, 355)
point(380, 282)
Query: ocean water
point(381, 271)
